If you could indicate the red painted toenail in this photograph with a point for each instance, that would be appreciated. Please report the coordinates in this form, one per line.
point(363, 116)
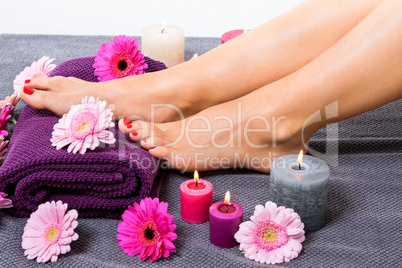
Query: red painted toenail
point(129, 126)
point(126, 122)
point(28, 91)
point(27, 81)
point(135, 133)
point(144, 141)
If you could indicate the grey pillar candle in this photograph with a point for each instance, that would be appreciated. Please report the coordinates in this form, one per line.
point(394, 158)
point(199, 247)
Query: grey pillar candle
point(304, 190)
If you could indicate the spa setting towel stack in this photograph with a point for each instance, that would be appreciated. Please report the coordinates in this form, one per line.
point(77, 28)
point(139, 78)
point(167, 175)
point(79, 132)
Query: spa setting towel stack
point(99, 183)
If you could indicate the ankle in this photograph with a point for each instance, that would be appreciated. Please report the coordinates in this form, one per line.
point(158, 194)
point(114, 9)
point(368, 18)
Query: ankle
point(183, 92)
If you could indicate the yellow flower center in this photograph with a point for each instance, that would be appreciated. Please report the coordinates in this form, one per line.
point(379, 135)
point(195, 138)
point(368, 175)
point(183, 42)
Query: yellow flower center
point(82, 127)
point(269, 236)
point(36, 76)
point(52, 233)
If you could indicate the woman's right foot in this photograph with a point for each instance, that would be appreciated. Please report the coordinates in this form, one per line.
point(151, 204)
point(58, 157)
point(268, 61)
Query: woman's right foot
point(151, 97)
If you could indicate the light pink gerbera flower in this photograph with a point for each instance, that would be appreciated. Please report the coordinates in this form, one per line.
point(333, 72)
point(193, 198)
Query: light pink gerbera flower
point(49, 232)
point(273, 235)
point(119, 59)
point(10, 100)
point(5, 202)
point(147, 229)
point(40, 68)
point(84, 127)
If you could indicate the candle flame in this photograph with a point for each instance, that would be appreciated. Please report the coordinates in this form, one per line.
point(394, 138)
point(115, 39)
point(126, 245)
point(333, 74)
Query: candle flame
point(196, 176)
point(300, 157)
point(163, 25)
point(227, 198)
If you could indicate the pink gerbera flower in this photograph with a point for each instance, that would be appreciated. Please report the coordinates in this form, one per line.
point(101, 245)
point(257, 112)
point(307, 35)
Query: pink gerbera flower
point(273, 235)
point(84, 127)
point(5, 202)
point(147, 229)
point(10, 100)
point(40, 68)
point(49, 232)
point(4, 115)
point(3, 149)
point(119, 59)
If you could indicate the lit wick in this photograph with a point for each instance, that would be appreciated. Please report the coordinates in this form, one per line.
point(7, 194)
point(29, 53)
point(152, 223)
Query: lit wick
point(227, 200)
point(300, 159)
point(196, 178)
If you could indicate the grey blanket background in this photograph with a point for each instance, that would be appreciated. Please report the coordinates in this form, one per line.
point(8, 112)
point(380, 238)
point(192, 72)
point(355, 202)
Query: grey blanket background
point(364, 215)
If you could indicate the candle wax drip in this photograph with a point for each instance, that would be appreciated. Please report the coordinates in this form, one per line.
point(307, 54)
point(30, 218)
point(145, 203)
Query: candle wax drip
point(227, 209)
point(196, 186)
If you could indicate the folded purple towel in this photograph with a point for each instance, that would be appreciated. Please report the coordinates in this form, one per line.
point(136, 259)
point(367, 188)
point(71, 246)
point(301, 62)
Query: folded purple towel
point(100, 183)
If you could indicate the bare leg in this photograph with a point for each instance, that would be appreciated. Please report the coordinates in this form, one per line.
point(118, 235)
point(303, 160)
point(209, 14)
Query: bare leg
point(361, 71)
point(263, 55)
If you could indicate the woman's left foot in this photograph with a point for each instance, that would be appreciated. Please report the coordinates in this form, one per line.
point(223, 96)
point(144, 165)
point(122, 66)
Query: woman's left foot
point(240, 133)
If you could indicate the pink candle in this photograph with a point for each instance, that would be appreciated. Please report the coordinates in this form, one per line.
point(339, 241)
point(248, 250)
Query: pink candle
point(224, 220)
point(231, 34)
point(195, 200)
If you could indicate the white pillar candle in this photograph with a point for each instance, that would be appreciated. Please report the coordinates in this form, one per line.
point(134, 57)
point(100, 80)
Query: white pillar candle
point(163, 43)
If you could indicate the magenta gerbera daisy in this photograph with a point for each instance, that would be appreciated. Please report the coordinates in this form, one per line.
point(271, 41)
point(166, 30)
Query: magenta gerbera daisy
point(119, 58)
point(41, 68)
point(49, 232)
point(5, 114)
point(147, 229)
point(273, 235)
point(84, 127)
point(3, 149)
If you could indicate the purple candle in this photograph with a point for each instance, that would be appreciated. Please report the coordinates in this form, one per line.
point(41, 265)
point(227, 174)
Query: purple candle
point(224, 220)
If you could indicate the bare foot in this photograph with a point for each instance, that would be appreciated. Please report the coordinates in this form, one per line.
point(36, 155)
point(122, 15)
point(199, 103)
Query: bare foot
point(241, 133)
point(143, 97)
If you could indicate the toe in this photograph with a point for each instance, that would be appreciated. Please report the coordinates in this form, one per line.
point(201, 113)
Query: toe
point(160, 152)
point(41, 83)
point(54, 102)
point(141, 130)
point(125, 126)
point(36, 98)
point(47, 83)
point(134, 129)
point(59, 84)
point(152, 142)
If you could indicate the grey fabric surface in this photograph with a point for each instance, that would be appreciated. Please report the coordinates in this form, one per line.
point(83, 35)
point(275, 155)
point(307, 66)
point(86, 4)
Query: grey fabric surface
point(364, 215)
